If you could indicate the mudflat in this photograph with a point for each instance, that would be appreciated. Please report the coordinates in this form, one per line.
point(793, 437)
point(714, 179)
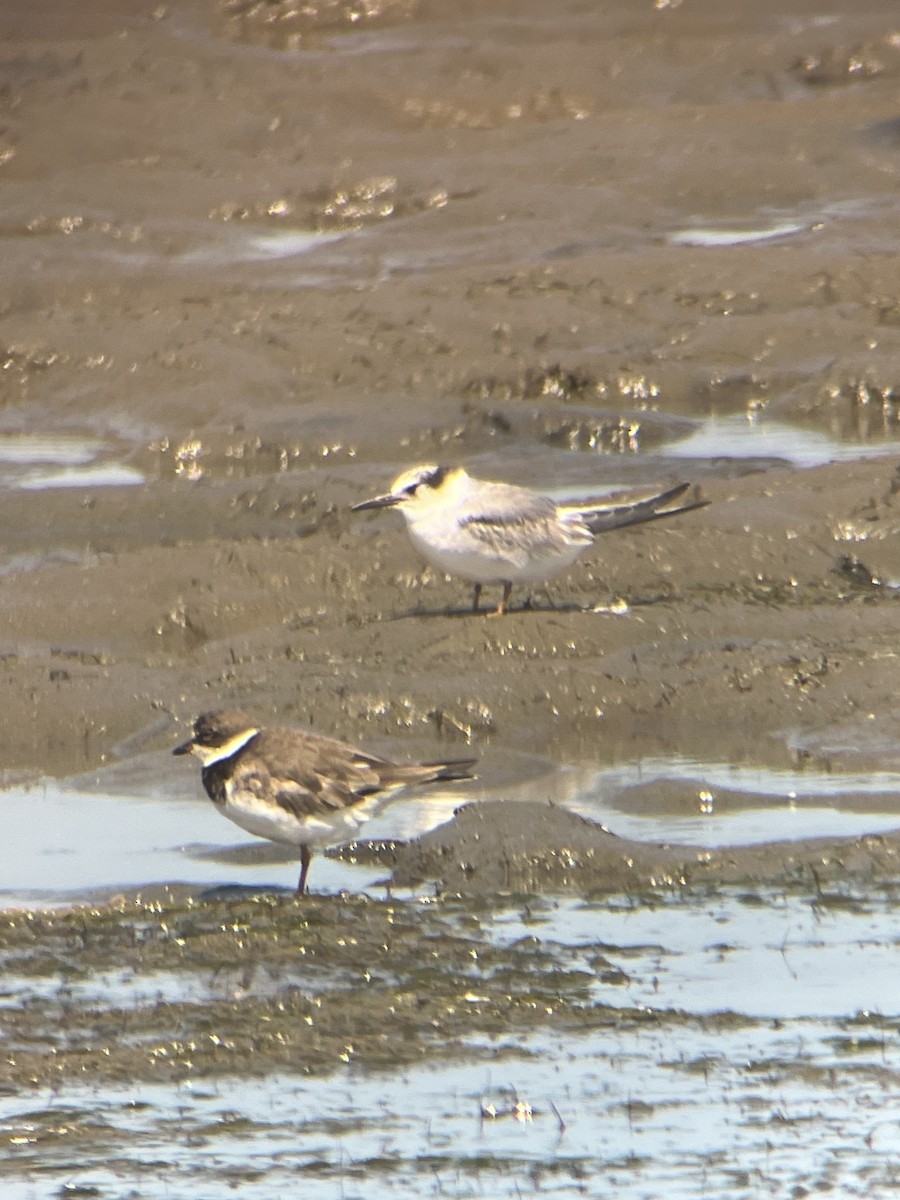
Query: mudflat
point(242, 288)
point(258, 258)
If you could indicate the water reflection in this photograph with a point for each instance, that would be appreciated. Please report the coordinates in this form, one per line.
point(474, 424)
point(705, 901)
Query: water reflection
point(32, 462)
point(142, 823)
point(740, 436)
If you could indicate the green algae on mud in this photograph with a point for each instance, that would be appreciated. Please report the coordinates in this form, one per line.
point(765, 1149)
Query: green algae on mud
point(169, 985)
point(183, 987)
point(180, 1042)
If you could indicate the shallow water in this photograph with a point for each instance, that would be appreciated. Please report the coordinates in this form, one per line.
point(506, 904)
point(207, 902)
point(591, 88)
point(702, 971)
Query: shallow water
point(742, 436)
point(146, 822)
point(33, 462)
point(746, 1040)
point(755, 1047)
point(680, 801)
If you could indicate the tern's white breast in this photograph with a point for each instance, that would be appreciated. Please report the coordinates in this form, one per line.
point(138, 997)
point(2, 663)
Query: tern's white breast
point(496, 554)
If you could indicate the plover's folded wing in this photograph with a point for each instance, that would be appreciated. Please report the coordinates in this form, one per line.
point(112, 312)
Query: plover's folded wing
point(328, 780)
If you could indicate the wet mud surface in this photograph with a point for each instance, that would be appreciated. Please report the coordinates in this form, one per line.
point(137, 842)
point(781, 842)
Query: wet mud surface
point(522, 847)
point(505, 291)
point(173, 1038)
point(257, 259)
point(266, 984)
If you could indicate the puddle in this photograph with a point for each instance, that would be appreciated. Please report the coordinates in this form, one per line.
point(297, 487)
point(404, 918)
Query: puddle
point(712, 236)
point(252, 247)
point(66, 842)
point(680, 801)
point(776, 226)
point(32, 562)
point(31, 462)
point(708, 1043)
point(28, 449)
point(212, 245)
point(93, 242)
point(737, 436)
point(110, 475)
point(763, 955)
point(617, 1128)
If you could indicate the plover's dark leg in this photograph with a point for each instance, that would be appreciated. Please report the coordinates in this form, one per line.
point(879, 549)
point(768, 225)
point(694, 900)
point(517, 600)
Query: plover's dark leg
point(476, 597)
point(305, 860)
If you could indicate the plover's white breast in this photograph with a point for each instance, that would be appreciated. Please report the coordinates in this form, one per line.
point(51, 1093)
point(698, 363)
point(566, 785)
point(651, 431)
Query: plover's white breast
point(268, 819)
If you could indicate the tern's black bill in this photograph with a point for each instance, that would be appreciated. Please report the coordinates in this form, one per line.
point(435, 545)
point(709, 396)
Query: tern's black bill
point(377, 502)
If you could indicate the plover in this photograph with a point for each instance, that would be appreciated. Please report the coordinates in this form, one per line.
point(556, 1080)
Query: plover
point(488, 532)
point(289, 785)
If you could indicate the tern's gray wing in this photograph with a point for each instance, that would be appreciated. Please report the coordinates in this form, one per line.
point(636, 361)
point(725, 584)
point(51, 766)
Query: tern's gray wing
point(600, 517)
point(512, 521)
point(504, 504)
